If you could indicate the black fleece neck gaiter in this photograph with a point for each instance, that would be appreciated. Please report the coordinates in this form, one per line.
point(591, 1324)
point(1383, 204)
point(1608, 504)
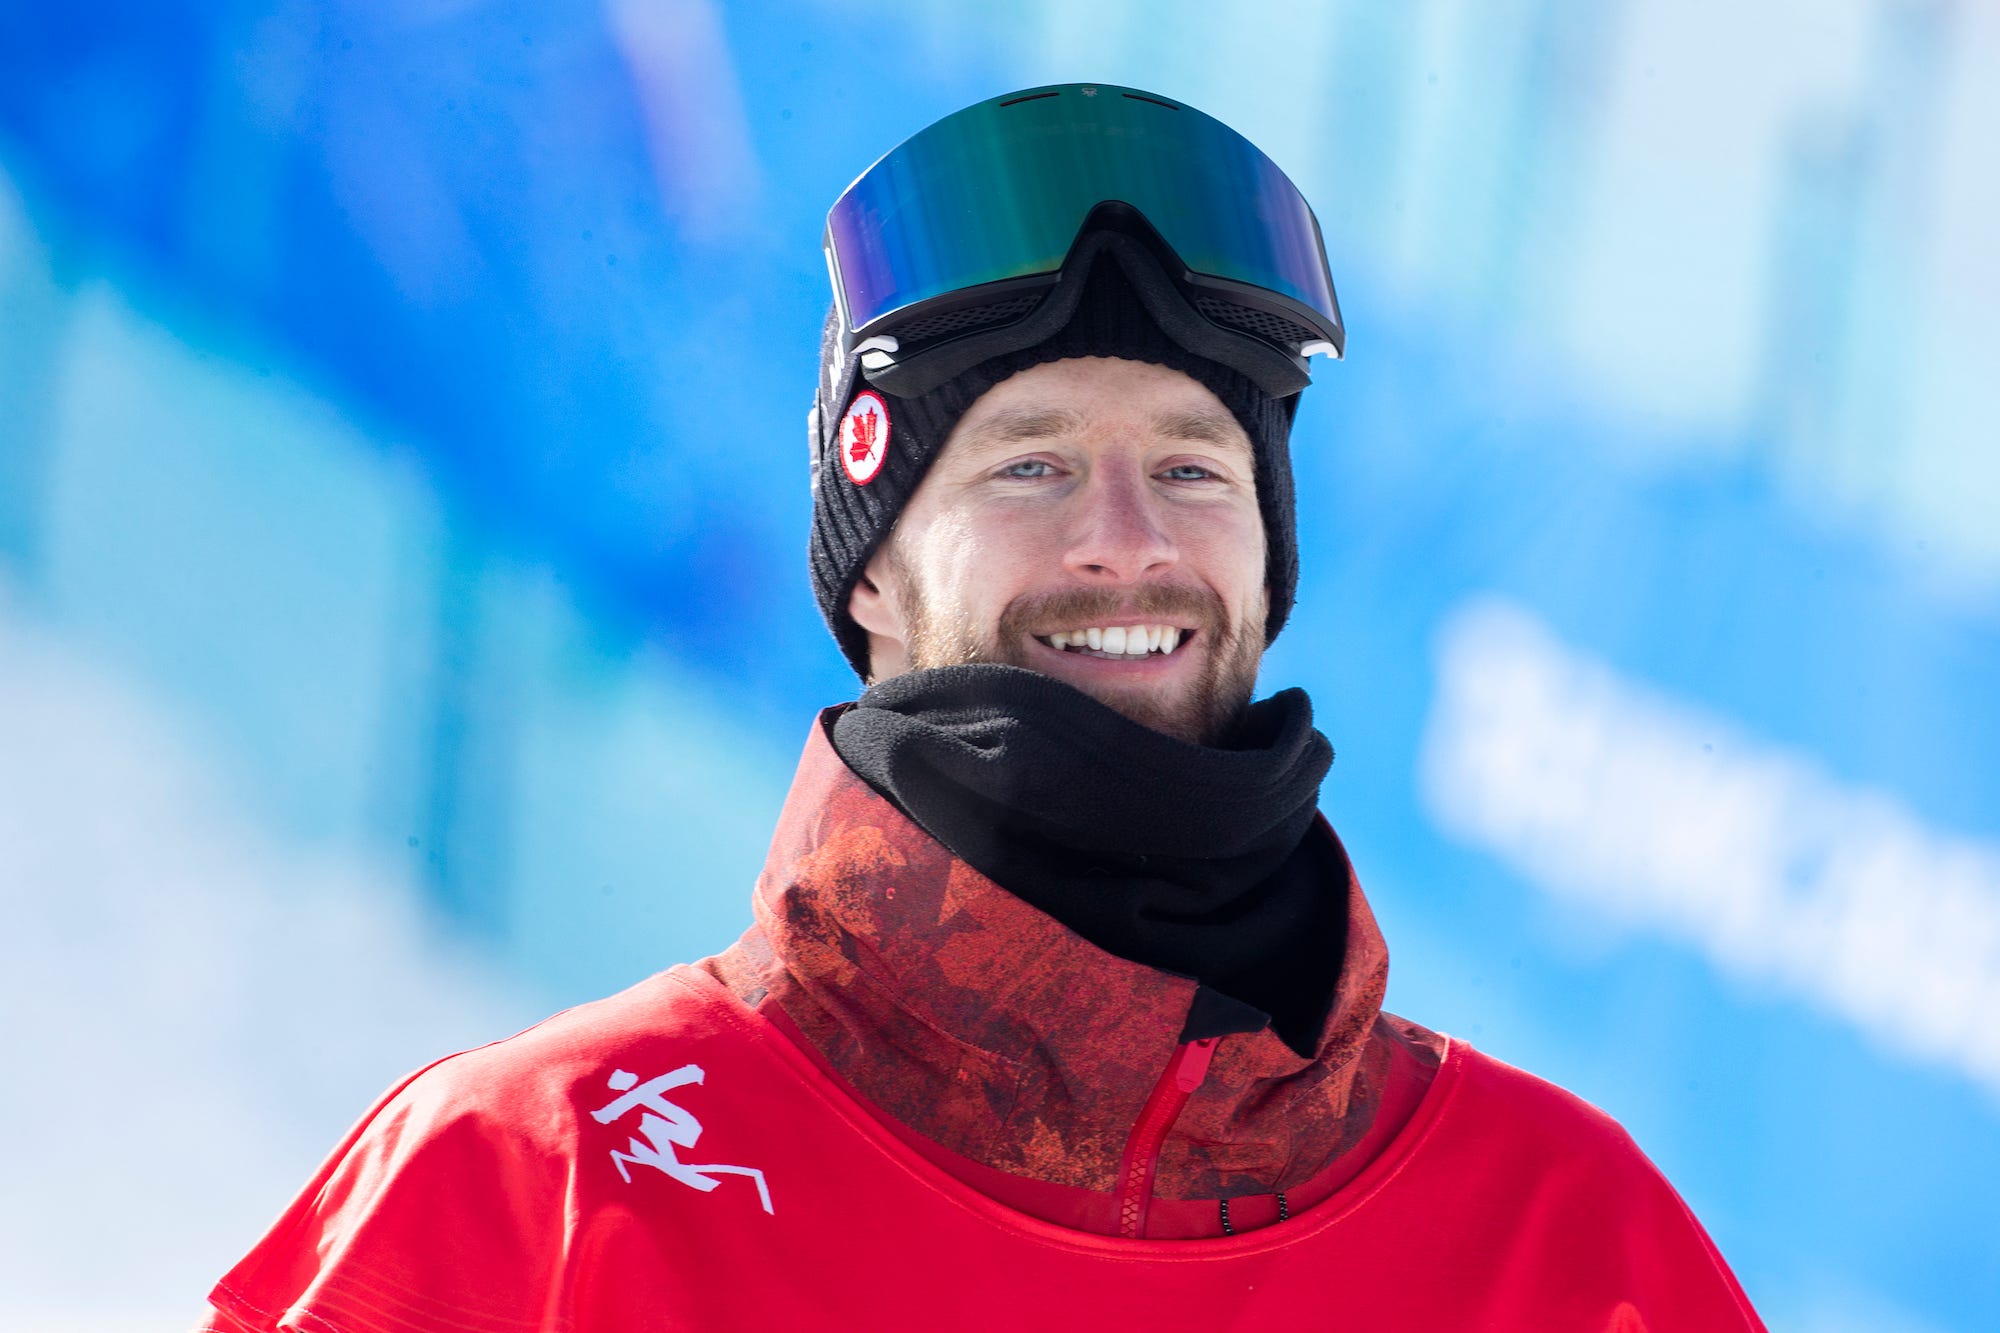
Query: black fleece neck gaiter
point(1188, 858)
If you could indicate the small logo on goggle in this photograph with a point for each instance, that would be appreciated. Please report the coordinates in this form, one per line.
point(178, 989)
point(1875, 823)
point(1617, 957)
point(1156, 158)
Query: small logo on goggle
point(864, 437)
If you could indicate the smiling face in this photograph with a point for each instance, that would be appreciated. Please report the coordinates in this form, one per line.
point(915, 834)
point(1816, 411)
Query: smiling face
point(1095, 520)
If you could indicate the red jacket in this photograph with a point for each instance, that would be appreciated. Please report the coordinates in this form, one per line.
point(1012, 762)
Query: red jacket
point(907, 1100)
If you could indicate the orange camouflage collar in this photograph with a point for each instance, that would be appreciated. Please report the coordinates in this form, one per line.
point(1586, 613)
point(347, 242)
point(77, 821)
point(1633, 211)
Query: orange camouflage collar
point(996, 1032)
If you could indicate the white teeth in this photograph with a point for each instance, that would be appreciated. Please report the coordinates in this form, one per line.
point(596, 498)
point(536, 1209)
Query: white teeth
point(1121, 640)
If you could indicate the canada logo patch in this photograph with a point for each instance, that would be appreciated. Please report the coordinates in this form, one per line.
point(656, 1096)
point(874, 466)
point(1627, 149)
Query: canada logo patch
point(864, 437)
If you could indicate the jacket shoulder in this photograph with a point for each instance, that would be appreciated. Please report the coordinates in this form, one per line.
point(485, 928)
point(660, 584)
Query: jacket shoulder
point(1507, 1102)
point(1583, 1197)
point(1539, 1116)
point(446, 1202)
point(678, 1009)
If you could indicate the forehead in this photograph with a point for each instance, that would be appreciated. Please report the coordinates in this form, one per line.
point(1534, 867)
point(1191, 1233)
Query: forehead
point(1103, 398)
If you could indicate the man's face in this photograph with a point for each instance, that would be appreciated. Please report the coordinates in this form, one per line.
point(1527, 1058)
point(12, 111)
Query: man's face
point(1075, 504)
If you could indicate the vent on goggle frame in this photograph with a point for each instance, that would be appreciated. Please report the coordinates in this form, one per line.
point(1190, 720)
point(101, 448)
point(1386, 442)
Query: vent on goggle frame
point(1262, 323)
point(947, 323)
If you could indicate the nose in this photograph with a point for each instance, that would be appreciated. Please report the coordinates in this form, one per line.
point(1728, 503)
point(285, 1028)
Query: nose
point(1122, 534)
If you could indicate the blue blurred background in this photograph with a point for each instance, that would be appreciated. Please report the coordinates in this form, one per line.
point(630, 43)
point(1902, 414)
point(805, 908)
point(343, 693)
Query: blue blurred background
point(404, 628)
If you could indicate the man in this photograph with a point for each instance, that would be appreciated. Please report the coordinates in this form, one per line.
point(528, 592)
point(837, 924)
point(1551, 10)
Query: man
point(1062, 1007)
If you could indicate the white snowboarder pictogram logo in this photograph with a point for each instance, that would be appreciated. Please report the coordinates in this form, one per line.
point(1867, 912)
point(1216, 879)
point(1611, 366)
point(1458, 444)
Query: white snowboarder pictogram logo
point(665, 1127)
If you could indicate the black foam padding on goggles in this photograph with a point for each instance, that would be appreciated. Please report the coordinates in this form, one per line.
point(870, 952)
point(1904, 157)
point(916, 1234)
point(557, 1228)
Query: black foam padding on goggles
point(1210, 319)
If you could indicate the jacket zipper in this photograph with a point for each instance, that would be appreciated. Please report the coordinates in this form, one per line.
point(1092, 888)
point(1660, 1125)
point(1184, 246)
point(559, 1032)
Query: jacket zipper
point(1184, 1073)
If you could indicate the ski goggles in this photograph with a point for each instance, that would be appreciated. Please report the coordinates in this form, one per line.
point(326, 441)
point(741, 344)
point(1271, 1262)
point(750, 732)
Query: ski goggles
point(965, 223)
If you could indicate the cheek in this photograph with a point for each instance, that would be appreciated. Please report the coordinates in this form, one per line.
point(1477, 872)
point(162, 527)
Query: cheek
point(1229, 549)
point(954, 560)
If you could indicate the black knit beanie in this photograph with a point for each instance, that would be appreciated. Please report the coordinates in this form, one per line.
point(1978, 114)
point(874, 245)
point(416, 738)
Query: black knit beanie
point(851, 518)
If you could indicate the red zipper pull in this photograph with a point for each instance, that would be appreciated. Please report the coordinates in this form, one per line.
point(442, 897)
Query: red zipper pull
point(1191, 1063)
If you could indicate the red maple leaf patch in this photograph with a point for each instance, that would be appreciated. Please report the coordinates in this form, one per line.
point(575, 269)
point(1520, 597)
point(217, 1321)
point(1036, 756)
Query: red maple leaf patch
point(866, 426)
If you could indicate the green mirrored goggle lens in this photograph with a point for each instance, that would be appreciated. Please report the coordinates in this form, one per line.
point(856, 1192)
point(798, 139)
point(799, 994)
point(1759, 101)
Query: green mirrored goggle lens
point(1000, 190)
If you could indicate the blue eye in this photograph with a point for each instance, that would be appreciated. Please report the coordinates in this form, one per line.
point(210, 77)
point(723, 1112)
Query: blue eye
point(1187, 472)
point(1027, 468)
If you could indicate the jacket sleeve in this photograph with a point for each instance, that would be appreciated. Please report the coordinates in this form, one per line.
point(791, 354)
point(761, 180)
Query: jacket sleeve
point(433, 1212)
point(1571, 1207)
point(1668, 1275)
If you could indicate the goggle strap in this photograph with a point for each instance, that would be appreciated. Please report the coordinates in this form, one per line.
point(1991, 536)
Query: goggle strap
point(832, 412)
